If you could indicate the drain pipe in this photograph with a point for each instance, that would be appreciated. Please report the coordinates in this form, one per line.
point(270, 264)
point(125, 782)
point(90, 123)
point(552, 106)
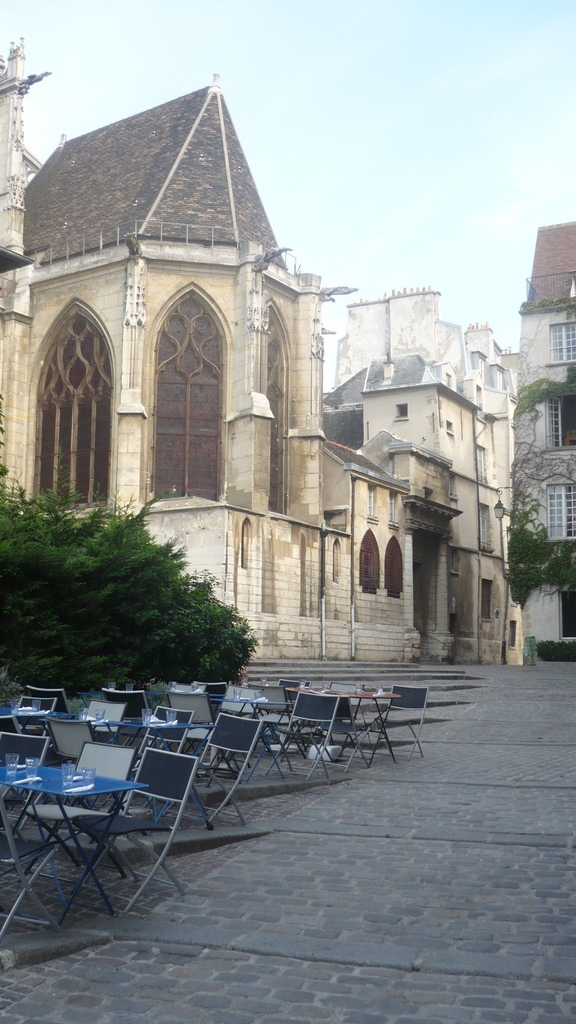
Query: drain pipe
point(352, 569)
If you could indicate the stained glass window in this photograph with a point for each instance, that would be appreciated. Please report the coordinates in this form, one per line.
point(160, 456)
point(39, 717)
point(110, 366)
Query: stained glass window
point(75, 412)
point(275, 395)
point(188, 403)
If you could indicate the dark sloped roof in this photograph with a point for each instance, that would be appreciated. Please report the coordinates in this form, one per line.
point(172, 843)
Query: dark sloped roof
point(348, 393)
point(167, 164)
point(408, 370)
point(345, 426)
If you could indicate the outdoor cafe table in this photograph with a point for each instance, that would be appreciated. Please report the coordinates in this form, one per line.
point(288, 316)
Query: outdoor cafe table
point(49, 784)
point(163, 731)
point(381, 700)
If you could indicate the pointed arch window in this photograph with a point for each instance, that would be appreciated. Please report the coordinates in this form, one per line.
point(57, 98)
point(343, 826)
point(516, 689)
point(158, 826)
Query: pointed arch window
point(245, 544)
point(336, 561)
point(369, 564)
point(74, 414)
point(275, 387)
point(303, 601)
point(188, 403)
point(393, 568)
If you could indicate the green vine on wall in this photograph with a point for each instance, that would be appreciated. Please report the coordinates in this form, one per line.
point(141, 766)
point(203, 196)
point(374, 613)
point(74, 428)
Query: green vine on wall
point(565, 303)
point(539, 390)
point(534, 561)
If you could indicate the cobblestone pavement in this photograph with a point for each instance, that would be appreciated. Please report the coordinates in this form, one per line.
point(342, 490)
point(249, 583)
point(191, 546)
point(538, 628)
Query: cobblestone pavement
point(435, 890)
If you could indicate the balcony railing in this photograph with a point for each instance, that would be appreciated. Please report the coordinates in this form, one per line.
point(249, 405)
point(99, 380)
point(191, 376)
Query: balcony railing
point(551, 286)
point(74, 244)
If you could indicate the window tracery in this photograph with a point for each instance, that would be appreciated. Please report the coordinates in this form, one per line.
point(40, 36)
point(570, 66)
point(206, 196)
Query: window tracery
point(188, 403)
point(275, 396)
point(75, 412)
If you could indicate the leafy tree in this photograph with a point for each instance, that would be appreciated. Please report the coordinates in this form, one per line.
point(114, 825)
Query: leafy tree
point(87, 596)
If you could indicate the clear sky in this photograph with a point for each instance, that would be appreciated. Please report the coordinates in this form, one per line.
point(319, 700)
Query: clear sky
point(393, 144)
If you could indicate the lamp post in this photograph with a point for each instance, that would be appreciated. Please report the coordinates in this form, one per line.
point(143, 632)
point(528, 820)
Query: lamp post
point(499, 512)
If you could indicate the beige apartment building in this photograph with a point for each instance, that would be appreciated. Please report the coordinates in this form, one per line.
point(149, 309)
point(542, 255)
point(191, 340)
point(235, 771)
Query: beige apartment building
point(433, 406)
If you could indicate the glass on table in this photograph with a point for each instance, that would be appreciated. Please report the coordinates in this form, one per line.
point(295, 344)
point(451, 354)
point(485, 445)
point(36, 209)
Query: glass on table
point(146, 716)
point(171, 716)
point(36, 704)
point(129, 687)
point(172, 686)
point(11, 764)
point(111, 685)
point(15, 704)
point(88, 776)
point(68, 769)
point(32, 767)
point(83, 715)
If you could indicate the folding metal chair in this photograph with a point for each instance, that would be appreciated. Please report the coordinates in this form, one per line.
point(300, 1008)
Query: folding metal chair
point(26, 859)
point(174, 738)
point(46, 704)
point(348, 731)
point(169, 780)
point(310, 725)
point(62, 703)
point(68, 738)
point(9, 723)
point(111, 761)
point(134, 701)
point(413, 699)
point(232, 743)
point(23, 745)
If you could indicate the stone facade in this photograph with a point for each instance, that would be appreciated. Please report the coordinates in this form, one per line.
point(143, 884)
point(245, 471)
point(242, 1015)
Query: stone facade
point(545, 462)
point(436, 405)
point(160, 346)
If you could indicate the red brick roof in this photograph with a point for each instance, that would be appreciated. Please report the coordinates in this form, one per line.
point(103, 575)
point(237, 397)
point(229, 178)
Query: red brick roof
point(555, 251)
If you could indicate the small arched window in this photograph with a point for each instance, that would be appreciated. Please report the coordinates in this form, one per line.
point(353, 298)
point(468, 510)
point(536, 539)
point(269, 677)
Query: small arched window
point(75, 418)
point(303, 602)
point(336, 561)
point(369, 575)
point(275, 396)
point(393, 568)
point(245, 544)
point(188, 403)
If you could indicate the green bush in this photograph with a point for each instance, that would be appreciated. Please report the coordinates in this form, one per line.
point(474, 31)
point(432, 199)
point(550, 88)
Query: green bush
point(87, 596)
point(556, 650)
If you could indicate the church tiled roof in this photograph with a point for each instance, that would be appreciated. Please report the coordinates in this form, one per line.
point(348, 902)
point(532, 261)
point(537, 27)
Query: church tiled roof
point(178, 169)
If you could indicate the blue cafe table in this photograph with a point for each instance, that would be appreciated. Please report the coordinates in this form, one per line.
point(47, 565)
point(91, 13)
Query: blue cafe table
point(49, 784)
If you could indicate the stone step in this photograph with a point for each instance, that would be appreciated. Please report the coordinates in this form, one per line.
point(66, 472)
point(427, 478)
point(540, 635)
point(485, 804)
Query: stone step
point(358, 672)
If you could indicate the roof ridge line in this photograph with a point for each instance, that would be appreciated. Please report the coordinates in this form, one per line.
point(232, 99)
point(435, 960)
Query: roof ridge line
point(218, 94)
point(176, 163)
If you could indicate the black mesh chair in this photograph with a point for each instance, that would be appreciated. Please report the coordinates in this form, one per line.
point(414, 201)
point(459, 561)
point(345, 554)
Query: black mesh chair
point(47, 704)
point(309, 730)
point(135, 700)
point(412, 705)
point(23, 745)
point(231, 744)
point(348, 731)
point(61, 705)
point(9, 723)
point(174, 738)
point(167, 780)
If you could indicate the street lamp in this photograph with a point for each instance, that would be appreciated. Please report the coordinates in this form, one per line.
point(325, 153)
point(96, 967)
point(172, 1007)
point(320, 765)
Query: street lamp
point(499, 510)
